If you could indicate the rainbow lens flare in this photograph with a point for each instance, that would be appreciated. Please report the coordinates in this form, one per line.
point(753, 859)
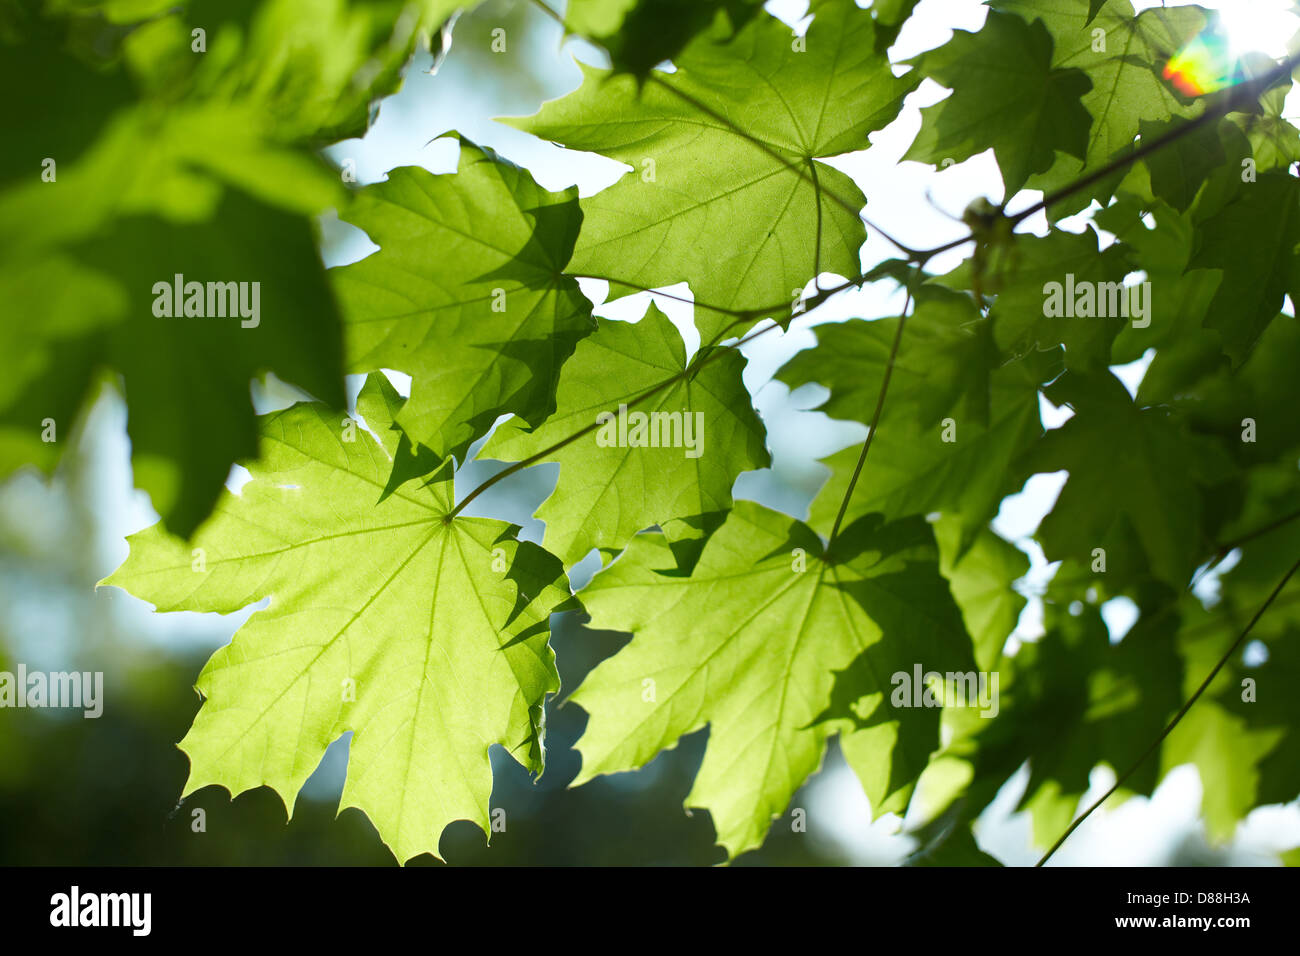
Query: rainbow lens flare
point(1203, 66)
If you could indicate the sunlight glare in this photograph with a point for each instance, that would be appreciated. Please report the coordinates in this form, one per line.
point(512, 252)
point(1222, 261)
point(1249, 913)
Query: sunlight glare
point(1263, 26)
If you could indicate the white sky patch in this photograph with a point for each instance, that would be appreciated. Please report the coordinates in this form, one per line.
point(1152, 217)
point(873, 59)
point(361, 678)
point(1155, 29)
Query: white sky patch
point(1262, 26)
point(1120, 614)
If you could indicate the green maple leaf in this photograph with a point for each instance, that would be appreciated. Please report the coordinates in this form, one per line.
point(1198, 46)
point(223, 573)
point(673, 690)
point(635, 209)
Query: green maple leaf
point(466, 295)
point(724, 153)
point(1123, 56)
point(173, 180)
point(979, 578)
point(609, 490)
point(1252, 239)
point(175, 165)
point(982, 582)
point(1238, 734)
point(1125, 463)
point(1008, 96)
point(747, 645)
point(1226, 752)
point(1190, 371)
point(437, 626)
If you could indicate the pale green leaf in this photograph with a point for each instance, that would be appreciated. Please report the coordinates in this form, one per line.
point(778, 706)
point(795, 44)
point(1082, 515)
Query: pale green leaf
point(675, 455)
point(466, 295)
point(422, 634)
point(747, 645)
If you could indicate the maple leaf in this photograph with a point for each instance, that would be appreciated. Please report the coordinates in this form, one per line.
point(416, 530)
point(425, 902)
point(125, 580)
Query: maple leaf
point(1235, 734)
point(1069, 701)
point(727, 192)
point(1007, 96)
point(423, 635)
point(177, 179)
point(979, 577)
point(466, 295)
point(695, 437)
point(1266, 717)
point(1139, 462)
point(1252, 239)
point(747, 645)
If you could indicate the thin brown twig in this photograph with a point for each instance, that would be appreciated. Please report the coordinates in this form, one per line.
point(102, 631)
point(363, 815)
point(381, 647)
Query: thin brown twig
point(875, 416)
